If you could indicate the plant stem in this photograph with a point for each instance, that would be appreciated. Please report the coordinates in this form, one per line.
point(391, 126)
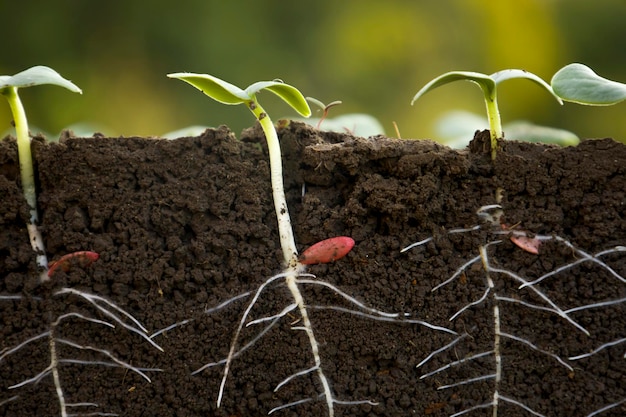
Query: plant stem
point(287, 241)
point(27, 176)
point(495, 124)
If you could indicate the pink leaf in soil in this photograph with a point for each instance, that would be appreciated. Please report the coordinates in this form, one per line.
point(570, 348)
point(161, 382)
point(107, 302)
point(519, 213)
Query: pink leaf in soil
point(528, 244)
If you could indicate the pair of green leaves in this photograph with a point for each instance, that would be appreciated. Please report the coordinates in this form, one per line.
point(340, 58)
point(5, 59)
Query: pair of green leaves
point(574, 83)
point(227, 93)
point(487, 83)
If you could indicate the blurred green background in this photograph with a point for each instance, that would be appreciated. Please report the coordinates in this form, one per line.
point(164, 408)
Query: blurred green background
point(373, 55)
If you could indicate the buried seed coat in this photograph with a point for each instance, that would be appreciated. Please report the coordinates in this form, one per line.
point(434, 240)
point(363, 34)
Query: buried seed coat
point(327, 251)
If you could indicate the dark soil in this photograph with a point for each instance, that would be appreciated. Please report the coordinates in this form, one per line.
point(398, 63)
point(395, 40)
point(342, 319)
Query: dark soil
point(184, 225)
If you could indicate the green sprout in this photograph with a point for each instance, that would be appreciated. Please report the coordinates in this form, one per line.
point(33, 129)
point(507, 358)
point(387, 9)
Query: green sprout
point(227, 93)
point(577, 83)
point(324, 107)
point(356, 124)
point(9, 86)
point(488, 84)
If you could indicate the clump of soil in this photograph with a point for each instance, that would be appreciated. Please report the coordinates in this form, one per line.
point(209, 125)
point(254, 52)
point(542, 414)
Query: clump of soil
point(184, 225)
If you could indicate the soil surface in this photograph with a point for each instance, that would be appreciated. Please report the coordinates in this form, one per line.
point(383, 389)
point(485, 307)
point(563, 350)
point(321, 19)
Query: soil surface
point(183, 226)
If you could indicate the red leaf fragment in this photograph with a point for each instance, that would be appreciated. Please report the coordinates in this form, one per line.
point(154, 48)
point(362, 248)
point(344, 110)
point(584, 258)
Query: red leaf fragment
point(82, 258)
point(327, 251)
point(528, 244)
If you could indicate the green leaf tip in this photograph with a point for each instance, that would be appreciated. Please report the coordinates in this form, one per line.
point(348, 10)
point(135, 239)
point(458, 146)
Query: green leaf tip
point(578, 83)
point(219, 90)
point(227, 93)
point(37, 75)
point(289, 94)
point(486, 83)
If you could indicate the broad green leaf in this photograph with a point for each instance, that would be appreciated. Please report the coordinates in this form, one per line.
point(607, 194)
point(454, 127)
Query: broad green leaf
point(37, 76)
point(486, 83)
point(509, 74)
point(213, 87)
point(286, 92)
point(578, 83)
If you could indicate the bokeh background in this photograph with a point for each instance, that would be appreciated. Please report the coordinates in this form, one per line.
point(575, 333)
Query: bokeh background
point(373, 55)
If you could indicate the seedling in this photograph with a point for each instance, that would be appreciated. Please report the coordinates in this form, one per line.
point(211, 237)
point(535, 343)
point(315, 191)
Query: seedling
point(577, 83)
point(488, 85)
point(294, 266)
point(227, 93)
point(9, 86)
point(529, 296)
point(325, 108)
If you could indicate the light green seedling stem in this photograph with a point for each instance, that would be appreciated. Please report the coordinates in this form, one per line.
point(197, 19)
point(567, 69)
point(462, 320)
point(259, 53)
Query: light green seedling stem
point(27, 176)
point(488, 85)
point(227, 93)
point(9, 86)
point(288, 243)
point(290, 252)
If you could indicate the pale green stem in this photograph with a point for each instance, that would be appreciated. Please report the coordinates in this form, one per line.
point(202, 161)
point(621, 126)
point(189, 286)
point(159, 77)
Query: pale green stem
point(287, 241)
point(495, 124)
point(28, 177)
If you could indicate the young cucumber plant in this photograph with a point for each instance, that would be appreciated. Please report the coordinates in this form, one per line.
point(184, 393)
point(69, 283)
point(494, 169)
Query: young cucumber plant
point(488, 85)
point(9, 86)
point(324, 107)
point(293, 274)
point(227, 93)
point(356, 124)
point(577, 83)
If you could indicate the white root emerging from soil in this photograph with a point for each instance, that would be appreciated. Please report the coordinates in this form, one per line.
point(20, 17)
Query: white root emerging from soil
point(498, 302)
point(107, 308)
